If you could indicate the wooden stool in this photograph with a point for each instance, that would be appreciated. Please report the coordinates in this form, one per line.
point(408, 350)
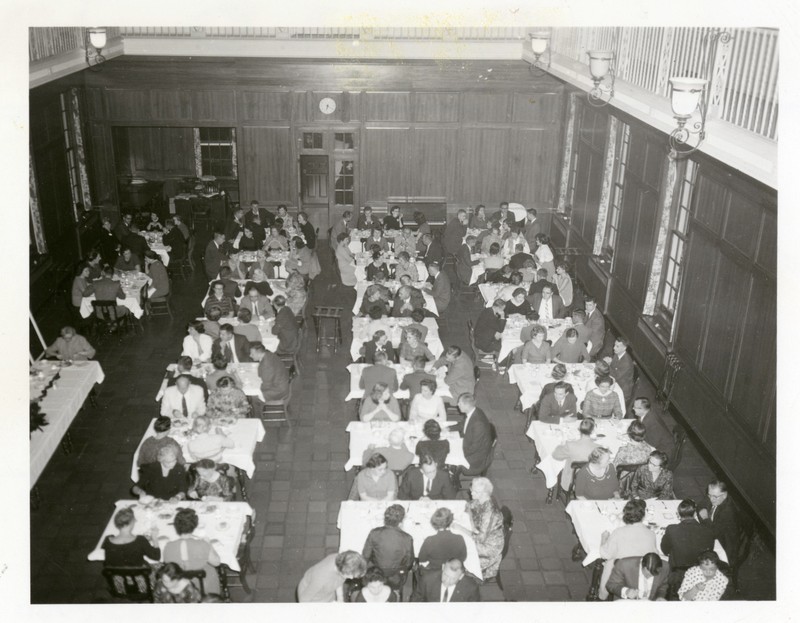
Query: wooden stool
point(320, 315)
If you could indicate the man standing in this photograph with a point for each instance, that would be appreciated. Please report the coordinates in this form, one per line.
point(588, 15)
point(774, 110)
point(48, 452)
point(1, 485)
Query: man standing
point(596, 325)
point(718, 512)
point(531, 228)
point(342, 226)
point(464, 261)
point(285, 326)
point(273, 374)
point(621, 367)
point(455, 231)
point(439, 287)
point(489, 327)
point(478, 438)
point(460, 377)
point(174, 241)
point(450, 584)
point(214, 254)
point(232, 347)
point(656, 432)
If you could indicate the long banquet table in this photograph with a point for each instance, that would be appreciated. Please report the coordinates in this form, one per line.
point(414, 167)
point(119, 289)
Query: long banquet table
point(361, 288)
point(131, 286)
point(60, 406)
point(515, 323)
point(395, 326)
point(356, 392)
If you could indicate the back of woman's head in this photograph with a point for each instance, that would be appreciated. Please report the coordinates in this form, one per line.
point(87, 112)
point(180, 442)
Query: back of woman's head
point(432, 429)
point(185, 521)
point(376, 460)
point(171, 570)
point(634, 511)
point(373, 574)
point(636, 431)
point(597, 455)
point(124, 517)
point(225, 382)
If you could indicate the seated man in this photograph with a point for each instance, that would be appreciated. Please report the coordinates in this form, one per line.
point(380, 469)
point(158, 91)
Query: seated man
point(643, 578)
point(489, 327)
point(519, 258)
point(245, 327)
point(273, 374)
point(148, 451)
point(406, 241)
point(128, 262)
point(390, 548)
point(656, 433)
point(106, 289)
point(412, 380)
point(460, 377)
point(257, 304)
point(211, 322)
point(451, 584)
point(568, 349)
point(683, 542)
point(548, 305)
point(183, 400)
point(397, 455)
point(575, 451)
point(559, 404)
point(428, 482)
point(285, 327)
point(232, 347)
point(380, 372)
point(70, 347)
point(406, 301)
point(541, 282)
point(219, 299)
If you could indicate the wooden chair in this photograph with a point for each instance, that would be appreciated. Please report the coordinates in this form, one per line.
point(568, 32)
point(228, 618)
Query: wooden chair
point(107, 320)
point(238, 579)
point(567, 496)
point(130, 583)
point(625, 476)
point(278, 410)
point(508, 530)
point(679, 438)
point(478, 354)
point(160, 306)
point(197, 577)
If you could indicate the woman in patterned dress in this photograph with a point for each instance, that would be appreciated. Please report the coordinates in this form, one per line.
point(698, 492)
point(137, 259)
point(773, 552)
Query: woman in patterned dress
point(488, 522)
point(227, 400)
point(210, 483)
point(172, 588)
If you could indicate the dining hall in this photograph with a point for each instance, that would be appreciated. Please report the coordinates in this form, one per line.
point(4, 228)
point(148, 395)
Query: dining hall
point(401, 314)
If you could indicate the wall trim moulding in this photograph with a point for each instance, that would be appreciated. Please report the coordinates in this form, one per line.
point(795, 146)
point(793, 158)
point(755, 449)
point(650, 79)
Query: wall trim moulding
point(55, 67)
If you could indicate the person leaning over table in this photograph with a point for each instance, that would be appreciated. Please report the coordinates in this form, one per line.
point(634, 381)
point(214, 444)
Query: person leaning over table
point(193, 553)
point(412, 380)
point(430, 249)
point(575, 451)
point(412, 347)
point(597, 480)
point(374, 589)
point(273, 374)
point(653, 480)
point(378, 344)
point(136, 242)
point(568, 349)
point(70, 346)
point(379, 405)
point(426, 405)
point(643, 578)
point(183, 400)
point(376, 482)
point(406, 301)
point(126, 549)
point(631, 539)
point(245, 327)
point(209, 483)
point(602, 402)
point(366, 220)
point(165, 480)
point(705, 581)
point(148, 451)
point(285, 327)
point(636, 451)
point(683, 542)
point(197, 344)
point(397, 454)
point(427, 482)
point(460, 377)
point(324, 581)
point(390, 548)
point(489, 327)
point(159, 286)
point(488, 522)
point(227, 400)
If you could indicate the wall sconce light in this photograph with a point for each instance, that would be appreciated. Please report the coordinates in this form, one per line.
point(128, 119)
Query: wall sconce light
point(601, 68)
point(540, 43)
point(689, 95)
point(97, 41)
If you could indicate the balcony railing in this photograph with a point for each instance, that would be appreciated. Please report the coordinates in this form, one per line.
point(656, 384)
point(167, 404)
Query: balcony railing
point(323, 34)
point(44, 43)
point(745, 83)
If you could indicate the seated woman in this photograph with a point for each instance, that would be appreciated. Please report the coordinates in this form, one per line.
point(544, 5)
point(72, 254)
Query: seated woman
point(494, 261)
point(153, 224)
point(128, 261)
point(397, 454)
point(426, 405)
point(636, 451)
point(406, 301)
point(296, 292)
point(598, 479)
point(518, 303)
point(275, 241)
point(376, 482)
point(602, 402)
point(377, 268)
point(536, 349)
point(704, 582)
point(258, 280)
point(423, 227)
point(528, 271)
point(438, 548)
point(413, 347)
point(406, 266)
point(653, 479)
point(376, 239)
point(380, 405)
point(379, 343)
point(227, 400)
point(70, 347)
point(301, 259)
point(221, 371)
point(248, 242)
point(375, 296)
point(478, 219)
point(432, 445)
point(209, 483)
point(488, 522)
point(190, 552)
point(126, 549)
point(172, 587)
point(165, 480)
point(205, 444)
point(374, 588)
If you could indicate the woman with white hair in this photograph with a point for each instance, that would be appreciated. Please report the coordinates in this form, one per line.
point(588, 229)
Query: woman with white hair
point(488, 522)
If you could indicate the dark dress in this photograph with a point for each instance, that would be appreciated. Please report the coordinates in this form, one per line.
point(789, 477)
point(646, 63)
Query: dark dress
point(263, 287)
point(310, 234)
point(438, 449)
point(129, 554)
point(154, 483)
point(360, 598)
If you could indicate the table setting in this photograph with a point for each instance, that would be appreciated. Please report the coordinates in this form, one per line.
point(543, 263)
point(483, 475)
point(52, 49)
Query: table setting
point(532, 377)
point(356, 369)
point(394, 329)
point(132, 283)
point(155, 240)
point(515, 323)
point(393, 285)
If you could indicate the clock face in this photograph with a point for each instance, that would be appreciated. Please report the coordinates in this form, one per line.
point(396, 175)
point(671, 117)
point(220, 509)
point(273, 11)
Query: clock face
point(327, 105)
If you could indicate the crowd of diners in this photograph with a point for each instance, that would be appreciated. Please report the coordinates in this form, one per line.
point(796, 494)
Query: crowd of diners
point(517, 256)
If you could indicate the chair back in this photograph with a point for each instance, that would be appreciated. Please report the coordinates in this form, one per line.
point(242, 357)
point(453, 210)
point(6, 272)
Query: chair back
point(131, 583)
point(508, 529)
point(198, 579)
point(625, 476)
point(105, 310)
point(575, 466)
point(679, 437)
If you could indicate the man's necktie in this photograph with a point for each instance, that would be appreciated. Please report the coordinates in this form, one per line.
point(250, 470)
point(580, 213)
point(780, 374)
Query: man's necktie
point(255, 309)
point(184, 407)
point(427, 487)
point(230, 351)
point(446, 593)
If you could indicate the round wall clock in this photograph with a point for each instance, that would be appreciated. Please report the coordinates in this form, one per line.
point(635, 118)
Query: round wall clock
point(327, 105)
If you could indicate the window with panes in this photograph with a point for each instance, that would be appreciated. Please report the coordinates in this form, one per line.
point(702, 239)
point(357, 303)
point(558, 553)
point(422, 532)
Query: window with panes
point(617, 188)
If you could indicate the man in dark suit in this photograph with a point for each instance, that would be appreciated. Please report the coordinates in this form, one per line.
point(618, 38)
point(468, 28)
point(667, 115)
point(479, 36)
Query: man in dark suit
point(136, 242)
point(366, 221)
point(455, 231)
point(519, 258)
point(107, 243)
point(656, 432)
point(430, 250)
point(273, 374)
point(214, 255)
point(412, 380)
point(541, 282)
point(439, 287)
point(531, 228)
point(478, 436)
point(683, 542)
point(504, 215)
point(391, 549)
point(258, 216)
point(643, 578)
point(285, 326)
point(122, 228)
point(620, 365)
point(173, 238)
point(558, 404)
point(464, 261)
point(427, 482)
point(717, 511)
point(450, 584)
point(596, 325)
point(230, 287)
point(380, 372)
point(548, 305)
point(236, 225)
point(106, 289)
point(232, 347)
point(489, 327)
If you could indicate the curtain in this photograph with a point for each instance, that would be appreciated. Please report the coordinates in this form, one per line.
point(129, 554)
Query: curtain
point(36, 215)
point(566, 168)
point(80, 152)
point(654, 282)
point(605, 194)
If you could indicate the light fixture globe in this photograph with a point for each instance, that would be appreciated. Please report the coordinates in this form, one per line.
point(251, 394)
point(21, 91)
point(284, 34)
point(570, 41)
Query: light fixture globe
point(599, 64)
point(539, 42)
point(685, 95)
point(97, 37)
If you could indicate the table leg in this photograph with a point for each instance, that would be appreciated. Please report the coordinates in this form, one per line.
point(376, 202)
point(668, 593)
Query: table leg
point(594, 587)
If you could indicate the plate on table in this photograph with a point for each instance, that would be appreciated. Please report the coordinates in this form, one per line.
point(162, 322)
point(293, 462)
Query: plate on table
point(178, 423)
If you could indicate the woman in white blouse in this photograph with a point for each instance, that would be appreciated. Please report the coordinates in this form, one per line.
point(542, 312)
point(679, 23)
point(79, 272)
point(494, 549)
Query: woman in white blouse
point(544, 255)
point(564, 283)
point(703, 582)
point(197, 344)
point(426, 405)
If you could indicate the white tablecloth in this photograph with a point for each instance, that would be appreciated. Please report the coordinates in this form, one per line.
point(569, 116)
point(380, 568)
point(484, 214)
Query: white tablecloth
point(222, 523)
point(361, 288)
point(362, 259)
point(515, 323)
point(61, 405)
point(278, 287)
point(611, 434)
point(592, 518)
point(132, 287)
point(532, 377)
point(362, 434)
point(356, 519)
point(156, 244)
point(355, 370)
point(261, 258)
point(245, 433)
point(395, 326)
point(269, 340)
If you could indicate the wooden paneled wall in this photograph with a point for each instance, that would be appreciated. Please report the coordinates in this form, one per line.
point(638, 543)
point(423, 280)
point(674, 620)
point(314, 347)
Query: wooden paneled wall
point(725, 325)
point(423, 129)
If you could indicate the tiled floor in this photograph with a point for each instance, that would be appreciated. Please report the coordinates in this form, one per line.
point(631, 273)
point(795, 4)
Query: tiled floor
point(299, 481)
